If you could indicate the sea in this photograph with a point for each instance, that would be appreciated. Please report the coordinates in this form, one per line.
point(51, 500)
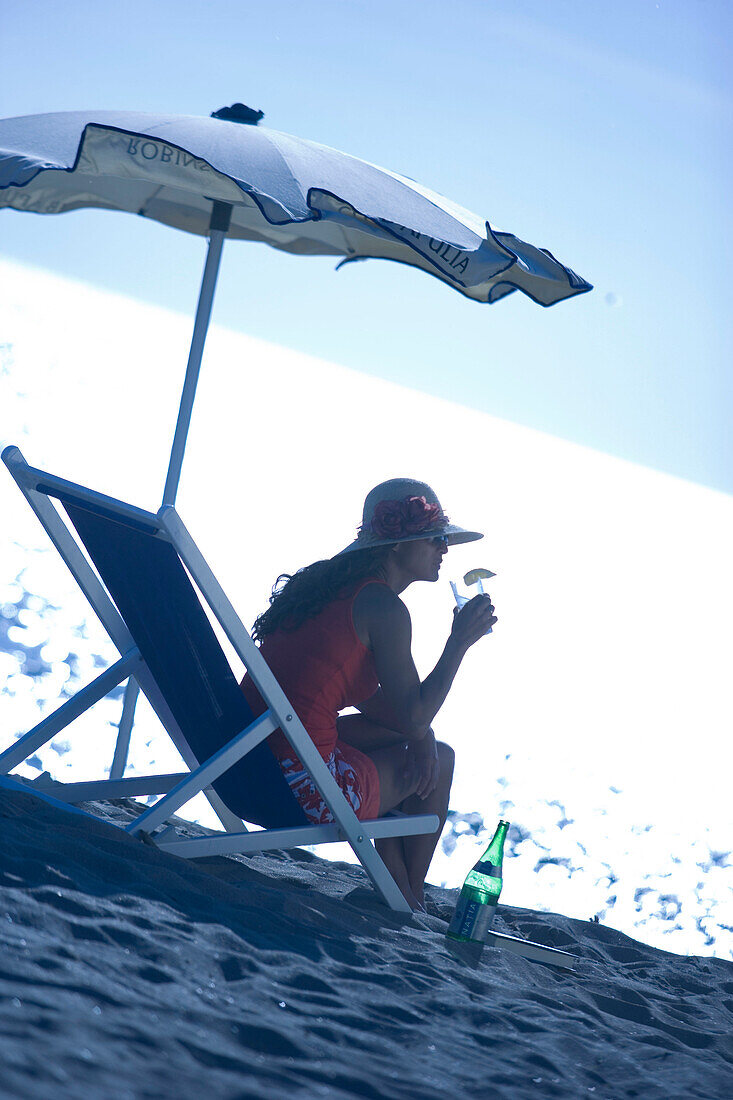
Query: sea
point(595, 718)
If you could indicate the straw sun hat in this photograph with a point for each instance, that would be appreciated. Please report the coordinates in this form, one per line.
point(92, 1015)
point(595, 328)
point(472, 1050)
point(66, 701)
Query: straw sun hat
point(402, 510)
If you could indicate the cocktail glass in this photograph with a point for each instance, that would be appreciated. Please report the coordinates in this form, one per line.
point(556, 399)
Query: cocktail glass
point(474, 581)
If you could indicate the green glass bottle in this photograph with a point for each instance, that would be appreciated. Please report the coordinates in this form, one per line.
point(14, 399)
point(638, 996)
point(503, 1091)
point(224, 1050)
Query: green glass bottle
point(479, 894)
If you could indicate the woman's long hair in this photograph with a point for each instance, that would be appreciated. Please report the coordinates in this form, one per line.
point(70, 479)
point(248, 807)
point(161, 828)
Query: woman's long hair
point(303, 595)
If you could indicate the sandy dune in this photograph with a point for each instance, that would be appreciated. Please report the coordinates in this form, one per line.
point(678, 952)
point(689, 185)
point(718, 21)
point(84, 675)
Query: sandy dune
point(129, 973)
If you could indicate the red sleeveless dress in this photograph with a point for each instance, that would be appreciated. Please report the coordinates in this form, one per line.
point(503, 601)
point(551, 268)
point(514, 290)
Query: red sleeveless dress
point(323, 668)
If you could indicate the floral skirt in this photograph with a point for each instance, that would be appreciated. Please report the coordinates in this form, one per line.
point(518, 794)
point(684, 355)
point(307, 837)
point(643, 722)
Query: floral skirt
point(355, 773)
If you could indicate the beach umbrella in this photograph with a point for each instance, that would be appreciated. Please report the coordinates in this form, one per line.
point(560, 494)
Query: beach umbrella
point(225, 177)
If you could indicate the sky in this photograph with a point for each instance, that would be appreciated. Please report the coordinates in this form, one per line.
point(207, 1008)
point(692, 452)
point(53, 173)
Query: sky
point(601, 132)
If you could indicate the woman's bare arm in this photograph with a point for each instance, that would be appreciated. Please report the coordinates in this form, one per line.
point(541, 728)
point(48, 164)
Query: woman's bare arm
point(376, 709)
point(411, 704)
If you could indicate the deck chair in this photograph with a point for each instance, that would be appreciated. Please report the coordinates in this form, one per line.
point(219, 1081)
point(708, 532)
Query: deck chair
point(141, 589)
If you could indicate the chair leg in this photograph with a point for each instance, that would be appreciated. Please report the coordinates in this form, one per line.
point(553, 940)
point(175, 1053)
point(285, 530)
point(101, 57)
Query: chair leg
point(203, 776)
point(122, 746)
point(230, 821)
point(69, 710)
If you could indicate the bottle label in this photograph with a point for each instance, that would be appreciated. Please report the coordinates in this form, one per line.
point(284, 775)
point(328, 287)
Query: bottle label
point(488, 869)
point(472, 919)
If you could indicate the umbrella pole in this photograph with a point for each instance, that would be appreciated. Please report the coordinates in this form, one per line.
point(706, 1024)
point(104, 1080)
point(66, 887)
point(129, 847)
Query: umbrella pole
point(220, 217)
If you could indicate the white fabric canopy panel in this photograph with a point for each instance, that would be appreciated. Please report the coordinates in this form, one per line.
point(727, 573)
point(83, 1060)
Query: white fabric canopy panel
point(292, 194)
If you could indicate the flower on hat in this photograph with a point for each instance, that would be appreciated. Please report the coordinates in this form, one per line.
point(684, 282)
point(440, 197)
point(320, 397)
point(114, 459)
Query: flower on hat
point(397, 519)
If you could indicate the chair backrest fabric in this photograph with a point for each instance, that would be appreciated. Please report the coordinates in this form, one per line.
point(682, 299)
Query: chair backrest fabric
point(146, 579)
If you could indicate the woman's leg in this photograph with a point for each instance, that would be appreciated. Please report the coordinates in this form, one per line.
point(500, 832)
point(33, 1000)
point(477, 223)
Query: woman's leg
point(419, 850)
point(398, 778)
point(366, 735)
point(407, 858)
point(397, 781)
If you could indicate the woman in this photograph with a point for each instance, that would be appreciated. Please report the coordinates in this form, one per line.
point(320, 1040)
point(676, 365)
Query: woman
point(337, 635)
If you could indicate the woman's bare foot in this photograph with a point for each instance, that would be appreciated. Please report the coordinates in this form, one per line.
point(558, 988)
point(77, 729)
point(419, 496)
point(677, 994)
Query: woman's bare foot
point(418, 894)
point(393, 855)
point(415, 904)
point(403, 882)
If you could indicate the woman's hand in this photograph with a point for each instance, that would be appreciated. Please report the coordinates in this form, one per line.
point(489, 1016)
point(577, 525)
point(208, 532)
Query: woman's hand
point(473, 620)
point(422, 758)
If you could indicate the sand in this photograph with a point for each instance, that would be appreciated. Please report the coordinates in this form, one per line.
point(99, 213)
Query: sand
point(131, 974)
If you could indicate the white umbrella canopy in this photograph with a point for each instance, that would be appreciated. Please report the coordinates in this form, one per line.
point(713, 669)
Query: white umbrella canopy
point(225, 177)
